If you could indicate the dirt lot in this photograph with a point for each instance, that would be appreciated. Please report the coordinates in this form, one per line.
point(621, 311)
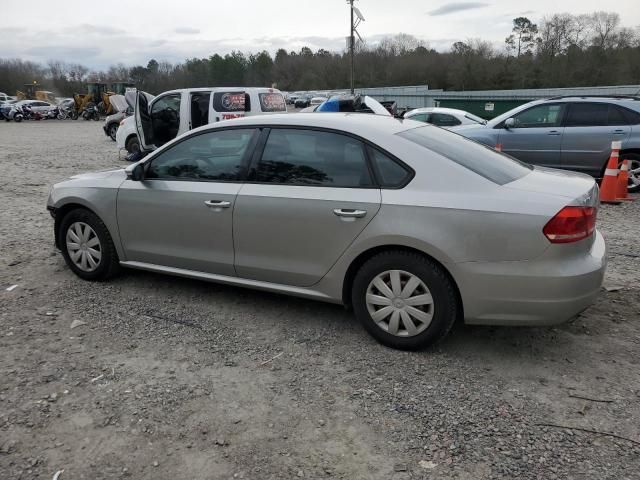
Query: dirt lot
point(170, 378)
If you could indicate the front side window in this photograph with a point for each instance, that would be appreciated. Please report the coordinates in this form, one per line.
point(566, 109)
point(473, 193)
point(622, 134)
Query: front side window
point(165, 118)
point(310, 157)
point(213, 156)
point(587, 115)
point(444, 120)
point(420, 117)
point(548, 115)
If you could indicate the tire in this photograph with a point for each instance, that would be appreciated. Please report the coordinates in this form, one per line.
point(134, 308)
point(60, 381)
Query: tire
point(634, 177)
point(107, 265)
point(17, 118)
point(133, 144)
point(112, 130)
point(428, 278)
point(96, 116)
point(74, 115)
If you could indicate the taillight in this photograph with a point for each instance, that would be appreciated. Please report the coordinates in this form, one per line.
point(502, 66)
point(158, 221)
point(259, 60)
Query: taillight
point(571, 224)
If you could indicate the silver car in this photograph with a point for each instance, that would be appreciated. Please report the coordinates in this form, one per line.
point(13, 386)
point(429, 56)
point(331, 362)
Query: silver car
point(573, 133)
point(412, 226)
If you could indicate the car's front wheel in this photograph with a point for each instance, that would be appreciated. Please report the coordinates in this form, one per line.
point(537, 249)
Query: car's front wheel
point(404, 300)
point(133, 144)
point(87, 246)
point(112, 130)
point(634, 171)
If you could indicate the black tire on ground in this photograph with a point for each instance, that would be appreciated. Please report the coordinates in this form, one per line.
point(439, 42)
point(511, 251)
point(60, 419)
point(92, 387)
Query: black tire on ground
point(112, 130)
point(634, 163)
point(133, 144)
point(441, 287)
point(109, 264)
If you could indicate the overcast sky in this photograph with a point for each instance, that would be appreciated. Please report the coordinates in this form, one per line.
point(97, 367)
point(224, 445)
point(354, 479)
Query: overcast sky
point(132, 32)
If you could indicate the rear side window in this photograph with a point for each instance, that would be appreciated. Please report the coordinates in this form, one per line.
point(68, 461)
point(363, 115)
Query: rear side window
point(632, 117)
point(484, 161)
point(272, 102)
point(309, 157)
point(587, 115)
point(389, 172)
point(229, 101)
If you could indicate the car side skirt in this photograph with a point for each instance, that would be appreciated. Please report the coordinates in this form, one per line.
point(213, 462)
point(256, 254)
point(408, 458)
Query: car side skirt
point(235, 281)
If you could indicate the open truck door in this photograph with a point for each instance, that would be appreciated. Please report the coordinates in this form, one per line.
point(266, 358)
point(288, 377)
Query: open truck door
point(144, 125)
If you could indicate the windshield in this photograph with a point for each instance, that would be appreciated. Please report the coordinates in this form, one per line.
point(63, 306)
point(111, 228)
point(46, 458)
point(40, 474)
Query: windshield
point(474, 118)
point(485, 161)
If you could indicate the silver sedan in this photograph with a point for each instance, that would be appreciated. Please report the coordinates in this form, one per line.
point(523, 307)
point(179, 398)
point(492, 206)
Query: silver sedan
point(412, 226)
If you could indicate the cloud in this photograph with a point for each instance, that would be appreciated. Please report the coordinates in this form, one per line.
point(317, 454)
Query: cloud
point(456, 7)
point(187, 31)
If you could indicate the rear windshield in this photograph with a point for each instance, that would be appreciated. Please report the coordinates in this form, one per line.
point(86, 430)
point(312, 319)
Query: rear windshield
point(485, 161)
point(272, 102)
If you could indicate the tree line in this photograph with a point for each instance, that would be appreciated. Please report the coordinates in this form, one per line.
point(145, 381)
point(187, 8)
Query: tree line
point(564, 50)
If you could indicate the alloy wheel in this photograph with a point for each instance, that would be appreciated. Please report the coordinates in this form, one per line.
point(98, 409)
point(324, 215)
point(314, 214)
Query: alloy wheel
point(399, 303)
point(634, 173)
point(83, 246)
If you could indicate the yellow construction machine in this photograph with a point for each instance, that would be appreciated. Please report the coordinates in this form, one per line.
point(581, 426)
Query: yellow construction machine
point(32, 92)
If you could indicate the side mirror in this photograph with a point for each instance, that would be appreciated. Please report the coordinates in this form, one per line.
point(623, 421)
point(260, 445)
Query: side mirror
point(136, 173)
point(509, 123)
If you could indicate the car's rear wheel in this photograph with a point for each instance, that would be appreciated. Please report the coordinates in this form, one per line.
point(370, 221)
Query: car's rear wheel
point(133, 144)
point(404, 300)
point(87, 246)
point(634, 171)
point(112, 130)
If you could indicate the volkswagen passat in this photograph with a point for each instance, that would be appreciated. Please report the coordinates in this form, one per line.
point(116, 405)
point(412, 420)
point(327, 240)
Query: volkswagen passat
point(411, 225)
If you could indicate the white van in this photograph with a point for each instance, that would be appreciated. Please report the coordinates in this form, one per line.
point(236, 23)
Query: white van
point(160, 119)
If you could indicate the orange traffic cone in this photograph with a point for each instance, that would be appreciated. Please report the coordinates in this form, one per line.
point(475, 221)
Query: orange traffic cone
point(609, 185)
point(623, 182)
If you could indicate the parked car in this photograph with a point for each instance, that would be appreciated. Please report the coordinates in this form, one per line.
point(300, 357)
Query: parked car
point(444, 117)
point(317, 101)
point(36, 106)
point(112, 122)
point(302, 102)
point(4, 98)
point(572, 133)
point(172, 113)
point(412, 225)
point(352, 103)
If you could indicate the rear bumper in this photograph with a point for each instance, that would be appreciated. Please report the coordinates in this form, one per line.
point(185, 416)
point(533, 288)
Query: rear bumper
point(544, 291)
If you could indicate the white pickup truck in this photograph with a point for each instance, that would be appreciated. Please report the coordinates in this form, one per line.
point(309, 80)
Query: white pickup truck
point(160, 119)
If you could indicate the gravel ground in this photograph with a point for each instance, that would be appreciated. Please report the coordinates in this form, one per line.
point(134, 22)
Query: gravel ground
point(169, 378)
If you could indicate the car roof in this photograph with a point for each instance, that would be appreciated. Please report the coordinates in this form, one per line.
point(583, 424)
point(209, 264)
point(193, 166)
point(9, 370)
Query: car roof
point(364, 124)
point(222, 89)
point(437, 110)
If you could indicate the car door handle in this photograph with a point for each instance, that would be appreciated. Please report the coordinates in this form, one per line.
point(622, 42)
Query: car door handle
point(217, 204)
point(554, 132)
point(349, 213)
point(618, 132)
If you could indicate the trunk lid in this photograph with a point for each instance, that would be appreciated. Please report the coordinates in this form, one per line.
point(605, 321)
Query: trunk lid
point(561, 183)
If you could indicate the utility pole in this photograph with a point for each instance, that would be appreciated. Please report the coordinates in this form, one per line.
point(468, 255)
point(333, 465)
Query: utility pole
point(351, 45)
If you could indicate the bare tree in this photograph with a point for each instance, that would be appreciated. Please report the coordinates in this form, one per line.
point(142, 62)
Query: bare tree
point(604, 26)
